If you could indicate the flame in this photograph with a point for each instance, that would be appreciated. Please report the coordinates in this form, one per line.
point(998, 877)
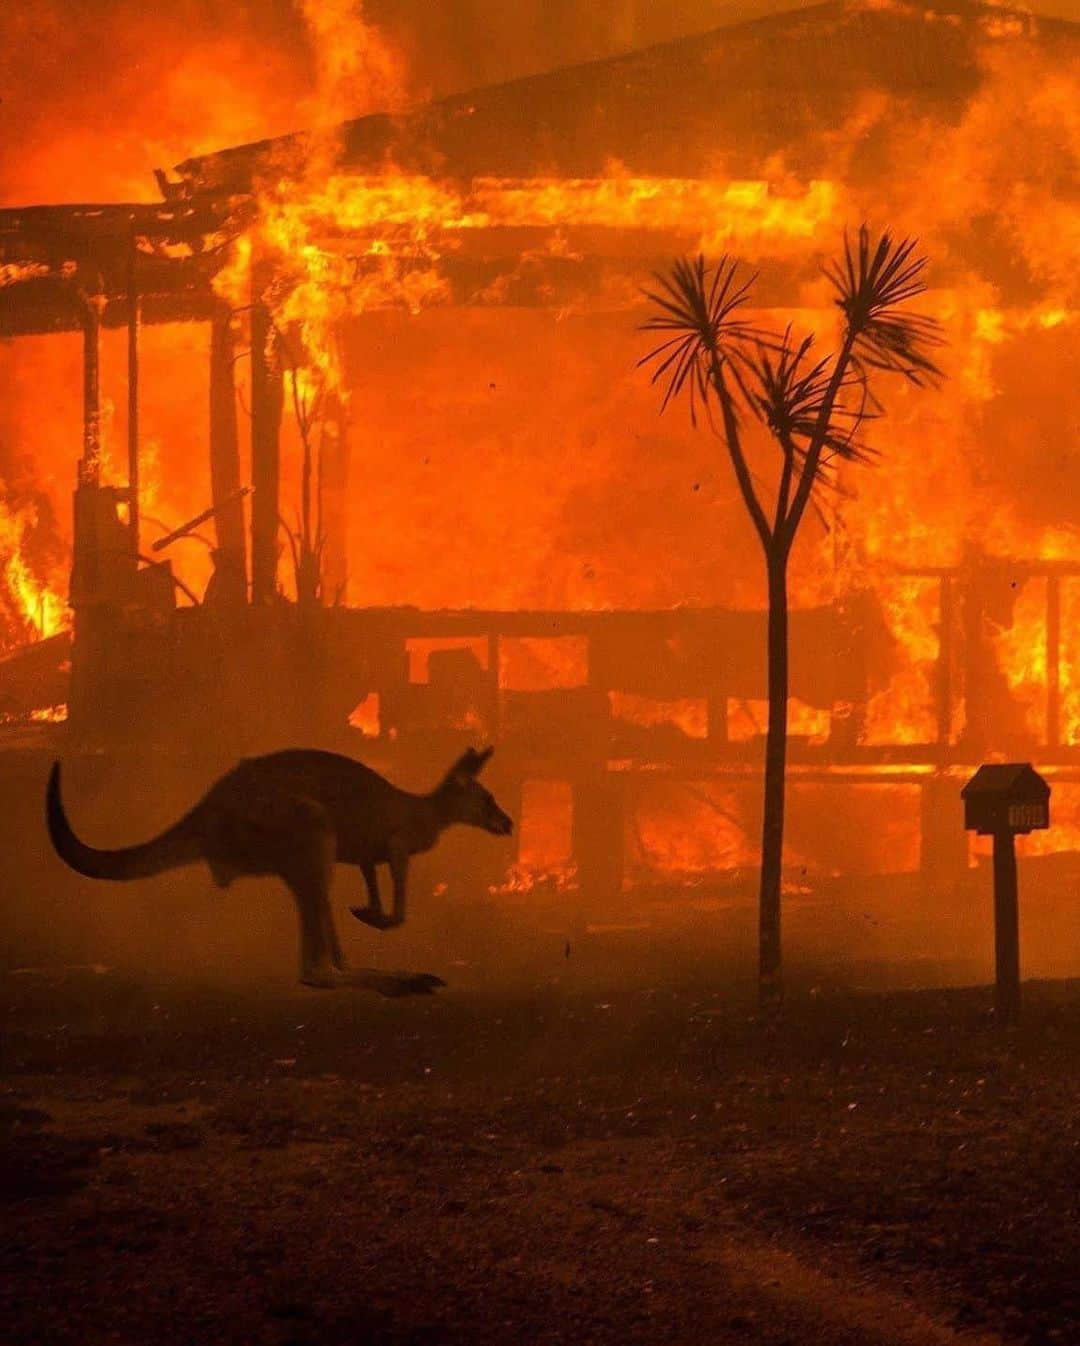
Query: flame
point(345, 244)
point(545, 844)
point(718, 215)
point(35, 604)
point(530, 455)
point(689, 832)
point(49, 714)
point(525, 881)
point(1021, 651)
point(366, 716)
point(748, 718)
point(1069, 670)
point(690, 715)
point(357, 69)
point(905, 710)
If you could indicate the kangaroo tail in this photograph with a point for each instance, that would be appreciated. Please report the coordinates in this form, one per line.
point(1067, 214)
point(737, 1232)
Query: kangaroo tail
point(175, 847)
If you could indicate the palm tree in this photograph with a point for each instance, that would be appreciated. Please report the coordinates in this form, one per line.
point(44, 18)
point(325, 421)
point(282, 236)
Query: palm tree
point(815, 410)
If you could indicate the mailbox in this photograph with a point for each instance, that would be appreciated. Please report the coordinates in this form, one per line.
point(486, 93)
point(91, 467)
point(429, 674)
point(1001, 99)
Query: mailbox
point(1006, 797)
point(1000, 800)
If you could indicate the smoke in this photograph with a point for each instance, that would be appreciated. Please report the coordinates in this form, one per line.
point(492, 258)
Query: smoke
point(98, 94)
point(95, 94)
point(357, 70)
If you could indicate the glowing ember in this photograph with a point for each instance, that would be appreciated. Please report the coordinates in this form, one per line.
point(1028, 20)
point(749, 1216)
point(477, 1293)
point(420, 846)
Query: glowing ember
point(522, 881)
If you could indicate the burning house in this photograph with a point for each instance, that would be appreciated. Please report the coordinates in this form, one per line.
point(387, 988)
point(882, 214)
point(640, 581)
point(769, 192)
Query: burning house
point(413, 337)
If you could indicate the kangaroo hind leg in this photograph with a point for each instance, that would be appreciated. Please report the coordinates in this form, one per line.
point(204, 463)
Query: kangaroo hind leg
point(373, 914)
point(337, 956)
point(307, 870)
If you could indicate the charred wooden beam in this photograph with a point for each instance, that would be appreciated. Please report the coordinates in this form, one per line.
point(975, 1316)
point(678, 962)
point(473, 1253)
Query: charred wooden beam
point(90, 464)
point(226, 492)
point(133, 395)
point(267, 397)
point(189, 525)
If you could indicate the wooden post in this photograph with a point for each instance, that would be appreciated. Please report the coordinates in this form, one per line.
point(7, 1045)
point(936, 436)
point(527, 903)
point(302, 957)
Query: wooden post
point(133, 396)
point(225, 461)
point(266, 406)
point(1006, 929)
point(1000, 800)
point(90, 466)
point(87, 651)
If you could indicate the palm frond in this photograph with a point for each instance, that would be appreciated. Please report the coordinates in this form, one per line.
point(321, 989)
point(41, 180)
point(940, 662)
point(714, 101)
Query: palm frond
point(699, 308)
point(790, 389)
point(872, 282)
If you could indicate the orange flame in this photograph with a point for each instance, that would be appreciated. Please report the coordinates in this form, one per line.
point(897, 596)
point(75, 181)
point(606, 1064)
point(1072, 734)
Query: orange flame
point(36, 604)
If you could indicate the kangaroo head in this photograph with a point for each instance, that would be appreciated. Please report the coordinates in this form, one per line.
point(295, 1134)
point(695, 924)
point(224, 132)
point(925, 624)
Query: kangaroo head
point(464, 799)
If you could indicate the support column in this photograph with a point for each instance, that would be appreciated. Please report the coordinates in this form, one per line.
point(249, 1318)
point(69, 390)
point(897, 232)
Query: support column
point(88, 653)
point(266, 407)
point(133, 398)
point(231, 563)
point(86, 569)
point(90, 464)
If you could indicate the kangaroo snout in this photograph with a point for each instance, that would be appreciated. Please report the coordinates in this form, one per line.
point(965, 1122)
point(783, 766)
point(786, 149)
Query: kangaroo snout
point(502, 825)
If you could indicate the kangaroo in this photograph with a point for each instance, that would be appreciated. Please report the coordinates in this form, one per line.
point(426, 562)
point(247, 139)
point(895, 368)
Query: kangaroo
point(295, 814)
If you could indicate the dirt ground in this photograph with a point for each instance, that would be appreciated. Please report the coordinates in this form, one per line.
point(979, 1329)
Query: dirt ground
point(547, 1164)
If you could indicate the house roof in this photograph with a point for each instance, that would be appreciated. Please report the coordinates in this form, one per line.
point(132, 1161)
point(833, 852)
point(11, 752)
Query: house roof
point(717, 103)
point(744, 92)
point(1006, 778)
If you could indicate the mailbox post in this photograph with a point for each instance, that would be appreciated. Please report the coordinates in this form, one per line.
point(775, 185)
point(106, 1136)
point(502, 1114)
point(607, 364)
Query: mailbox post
point(1003, 800)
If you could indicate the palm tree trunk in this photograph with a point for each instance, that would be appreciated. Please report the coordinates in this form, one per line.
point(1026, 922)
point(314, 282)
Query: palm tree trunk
point(770, 985)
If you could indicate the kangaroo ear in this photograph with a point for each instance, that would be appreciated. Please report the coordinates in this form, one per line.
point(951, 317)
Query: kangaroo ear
point(469, 764)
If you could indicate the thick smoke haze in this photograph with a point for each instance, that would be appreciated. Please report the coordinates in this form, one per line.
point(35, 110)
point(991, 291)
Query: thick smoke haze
point(97, 93)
